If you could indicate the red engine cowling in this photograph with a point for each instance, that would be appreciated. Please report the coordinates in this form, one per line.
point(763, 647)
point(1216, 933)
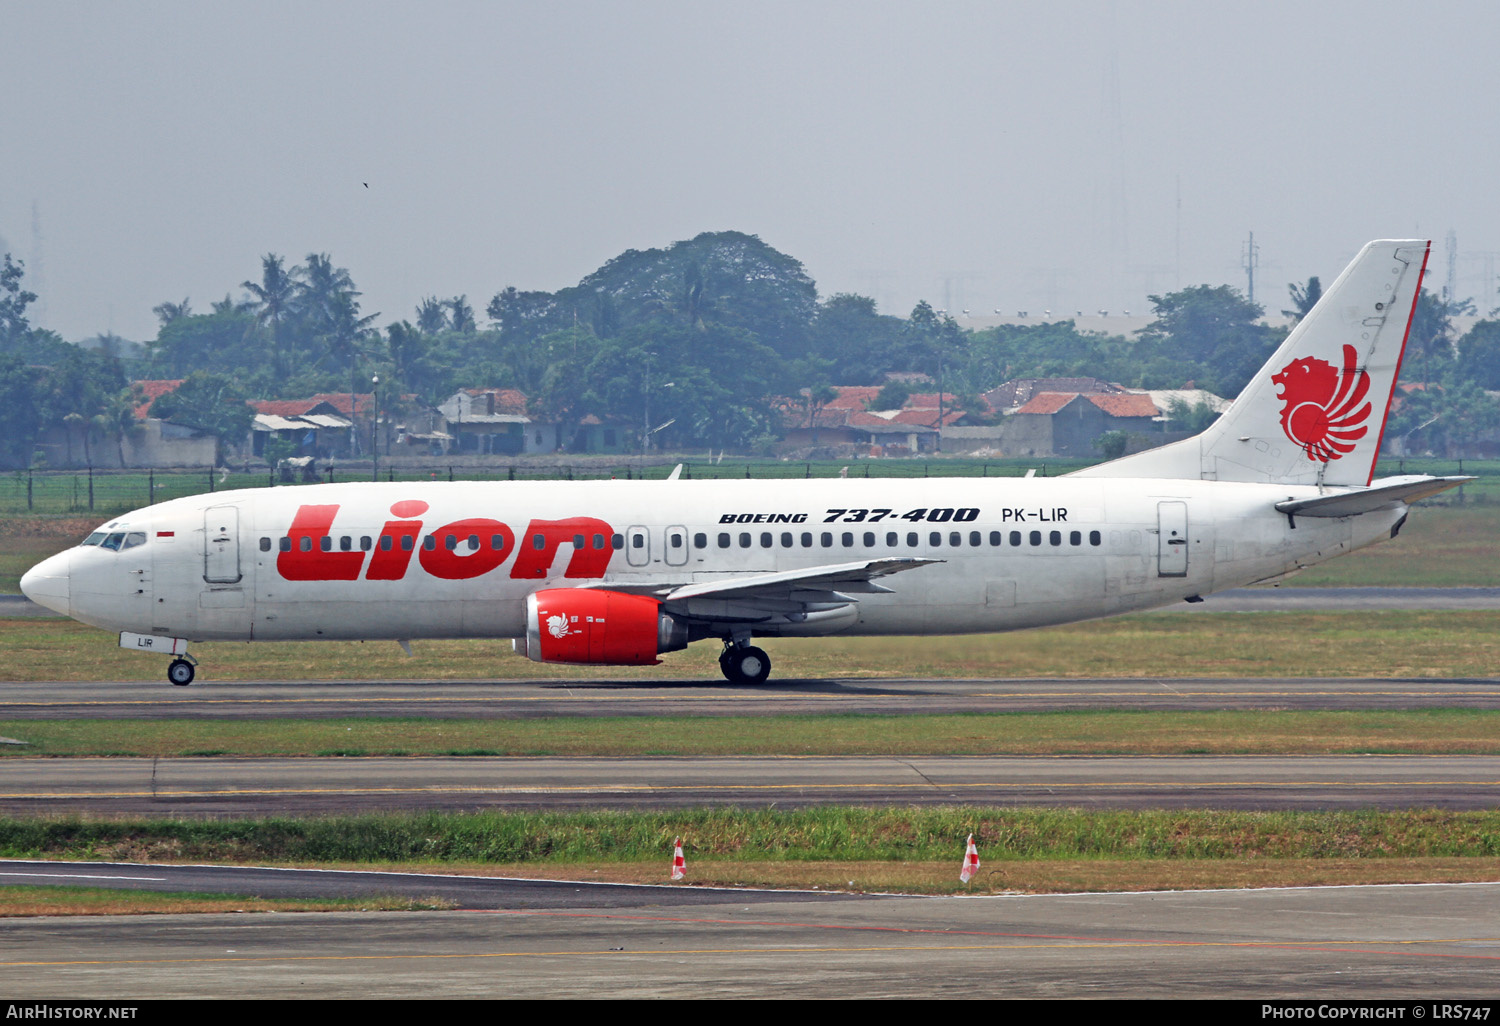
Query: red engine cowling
point(585, 625)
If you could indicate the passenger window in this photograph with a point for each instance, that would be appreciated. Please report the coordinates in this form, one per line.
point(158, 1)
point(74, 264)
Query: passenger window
point(676, 540)
point(364, 543)
point(346, 544)
point(723, 540)
point(848, 539)
point(473, 543)
point(408, 543)
point(430, 542)
point(911, 538)
point(306, 544)
point(497, 542)
point(1036, 537)
point(891, 539)
point(1095, 538)
point(617, 542)
point(994, 537)
point(935, 538)
point(450, 542)
point(599, 542)
point(1055, 537)
point(744, 539)
point(700, 540)
point(869, 539)
point(827, 539)
point(286, 544)
point(1015, 537)
point(1075, 538)
point(954, 538)
point(637, 541)
point(765, 539)
point(975, 539)
point(385, 543)
point(807, 539)
point(578, 541)
point(265, 545)
point(786, 539)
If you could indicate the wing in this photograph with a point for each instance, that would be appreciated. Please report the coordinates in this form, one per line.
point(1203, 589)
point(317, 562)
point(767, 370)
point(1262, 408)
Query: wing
point(814, 600)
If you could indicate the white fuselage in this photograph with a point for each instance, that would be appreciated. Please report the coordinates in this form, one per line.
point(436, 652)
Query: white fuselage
point(1015, 553)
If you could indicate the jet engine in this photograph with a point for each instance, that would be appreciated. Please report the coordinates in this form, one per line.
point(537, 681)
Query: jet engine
point(586, 625)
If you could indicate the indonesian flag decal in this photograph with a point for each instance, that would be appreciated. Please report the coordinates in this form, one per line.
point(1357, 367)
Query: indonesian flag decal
point(679, 864)
point(971, 861)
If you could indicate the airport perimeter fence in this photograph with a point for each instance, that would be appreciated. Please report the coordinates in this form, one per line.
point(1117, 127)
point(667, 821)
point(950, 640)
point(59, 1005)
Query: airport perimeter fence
point(105, 492)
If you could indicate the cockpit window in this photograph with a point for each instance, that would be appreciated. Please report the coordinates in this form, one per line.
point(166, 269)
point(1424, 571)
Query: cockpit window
point(113, 541)
point(93, 539)
point(133, 539)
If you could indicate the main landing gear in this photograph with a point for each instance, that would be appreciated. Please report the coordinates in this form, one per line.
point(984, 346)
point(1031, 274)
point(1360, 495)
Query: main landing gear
point(743, 663)
point(180, 671)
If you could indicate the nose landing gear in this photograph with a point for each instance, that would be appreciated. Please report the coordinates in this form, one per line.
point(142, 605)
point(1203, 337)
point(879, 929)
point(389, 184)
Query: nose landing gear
point(180, 670)
point(743, 663)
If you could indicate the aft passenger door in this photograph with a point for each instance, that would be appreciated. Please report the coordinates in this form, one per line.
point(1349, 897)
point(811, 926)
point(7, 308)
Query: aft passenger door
point(1172, 539)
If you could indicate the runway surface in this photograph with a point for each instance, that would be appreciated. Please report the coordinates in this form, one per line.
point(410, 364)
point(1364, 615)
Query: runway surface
point(1439, 942)
point(513, 699)
point(222, 787)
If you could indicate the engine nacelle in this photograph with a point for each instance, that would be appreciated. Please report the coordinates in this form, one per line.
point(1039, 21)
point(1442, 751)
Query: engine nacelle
point(587, 625)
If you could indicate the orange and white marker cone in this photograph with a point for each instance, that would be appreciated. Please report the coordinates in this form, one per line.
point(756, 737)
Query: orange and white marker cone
point(971, 862)
point(679, 864)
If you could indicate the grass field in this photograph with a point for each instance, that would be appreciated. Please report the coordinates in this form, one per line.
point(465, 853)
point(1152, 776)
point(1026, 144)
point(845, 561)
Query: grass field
point(1383, 643)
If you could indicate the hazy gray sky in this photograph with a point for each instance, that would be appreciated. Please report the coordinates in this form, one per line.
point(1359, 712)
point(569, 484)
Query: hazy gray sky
point(977, 154)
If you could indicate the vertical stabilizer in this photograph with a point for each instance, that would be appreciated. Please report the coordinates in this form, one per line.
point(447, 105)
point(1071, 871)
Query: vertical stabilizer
point(1315, 413)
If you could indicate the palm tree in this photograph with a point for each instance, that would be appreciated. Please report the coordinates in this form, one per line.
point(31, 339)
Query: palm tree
point(1304, 298)
point(169, 312)
point(432, 315)
point(274, 295)
point(345, 341)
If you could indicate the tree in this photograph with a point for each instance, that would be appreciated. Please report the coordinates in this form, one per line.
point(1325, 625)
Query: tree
point(1304, 298)
point(1429, 340)
point(892, 397)
point(15, 329)
point(1479, 355)
point(855, 340)
point(169, 312)
point(461, 316)
point(208, 402)
point(432, 315)
point(1210, 334)
point(275, 294)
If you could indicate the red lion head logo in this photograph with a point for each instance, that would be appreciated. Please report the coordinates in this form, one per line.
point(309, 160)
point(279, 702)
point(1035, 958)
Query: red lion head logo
point(1319, 403)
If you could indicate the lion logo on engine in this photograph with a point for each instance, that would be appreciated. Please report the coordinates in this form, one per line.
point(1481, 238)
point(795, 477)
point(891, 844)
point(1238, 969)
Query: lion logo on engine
point(557, 626)
point(1320, 405)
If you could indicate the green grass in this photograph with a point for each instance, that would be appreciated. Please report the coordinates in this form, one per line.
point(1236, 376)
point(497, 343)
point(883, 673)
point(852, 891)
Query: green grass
point(1131, 732)
point(1385, 643)
point(824, 833)
point(50, 900)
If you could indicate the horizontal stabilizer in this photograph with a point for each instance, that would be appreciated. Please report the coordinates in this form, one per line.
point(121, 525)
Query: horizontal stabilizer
point(1383, 494)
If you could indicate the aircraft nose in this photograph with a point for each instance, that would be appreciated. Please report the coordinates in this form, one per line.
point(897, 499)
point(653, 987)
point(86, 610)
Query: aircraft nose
point(46, 584)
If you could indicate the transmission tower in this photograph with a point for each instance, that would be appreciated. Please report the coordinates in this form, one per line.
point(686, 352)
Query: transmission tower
point(1250, 260)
